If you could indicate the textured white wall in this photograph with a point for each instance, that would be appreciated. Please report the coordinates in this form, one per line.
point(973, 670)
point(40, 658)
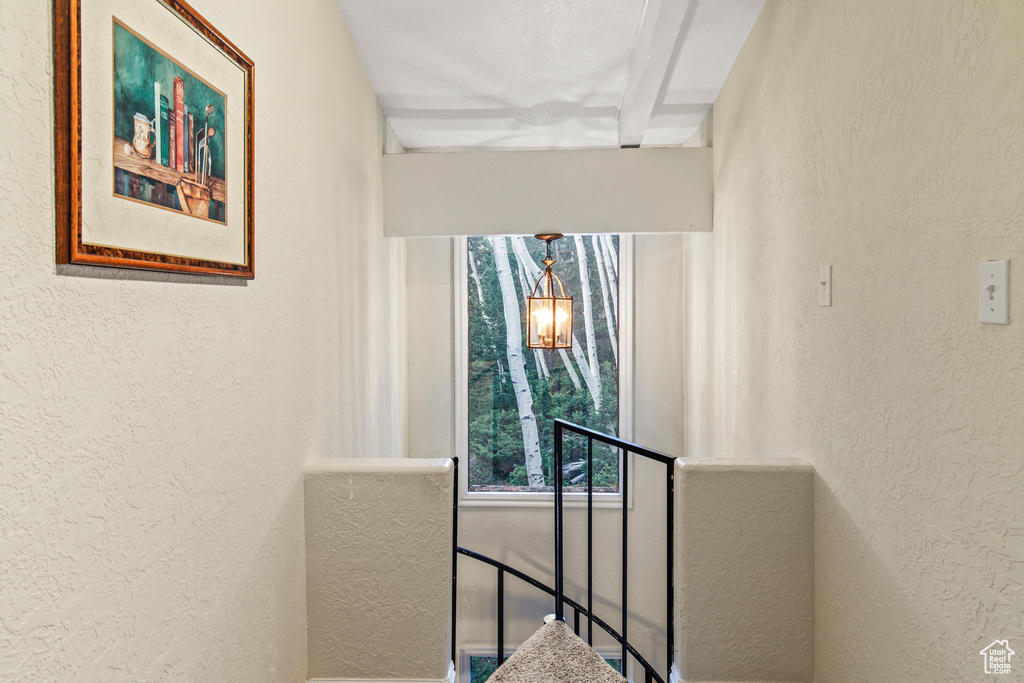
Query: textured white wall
point(153, 429)
point(378, 568)
point(744, 572)
point(884, 138)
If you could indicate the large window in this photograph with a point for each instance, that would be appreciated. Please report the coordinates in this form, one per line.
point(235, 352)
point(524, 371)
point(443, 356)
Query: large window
point(514, 393)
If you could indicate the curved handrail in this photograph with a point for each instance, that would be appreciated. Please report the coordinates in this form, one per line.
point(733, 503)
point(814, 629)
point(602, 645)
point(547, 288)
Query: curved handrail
point(578, 608)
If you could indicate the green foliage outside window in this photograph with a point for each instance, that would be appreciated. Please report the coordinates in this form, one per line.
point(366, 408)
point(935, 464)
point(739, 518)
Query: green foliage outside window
point(580, 386)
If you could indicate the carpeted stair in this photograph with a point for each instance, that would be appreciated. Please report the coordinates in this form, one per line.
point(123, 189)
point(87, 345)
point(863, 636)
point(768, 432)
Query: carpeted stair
point(554, 654)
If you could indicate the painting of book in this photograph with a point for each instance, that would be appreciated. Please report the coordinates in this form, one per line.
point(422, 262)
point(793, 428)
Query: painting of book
point(169, 135)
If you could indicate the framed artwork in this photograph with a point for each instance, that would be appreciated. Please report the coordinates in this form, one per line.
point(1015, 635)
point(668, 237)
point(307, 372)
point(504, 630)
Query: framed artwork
point(154, 139)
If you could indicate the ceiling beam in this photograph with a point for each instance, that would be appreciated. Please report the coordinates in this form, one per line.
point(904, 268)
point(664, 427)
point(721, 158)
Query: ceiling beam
point(661, 23)
point(568, 190)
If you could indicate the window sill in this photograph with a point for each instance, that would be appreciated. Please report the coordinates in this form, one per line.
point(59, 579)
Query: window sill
point(538, 500)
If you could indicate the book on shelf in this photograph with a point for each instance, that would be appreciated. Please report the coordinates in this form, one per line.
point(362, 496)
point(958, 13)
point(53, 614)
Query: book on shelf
point(165, 131)
point(191, 142)
point(173, 160)
point(179, 112)
point(121, 181)
point(156, 122)
point(186, 165)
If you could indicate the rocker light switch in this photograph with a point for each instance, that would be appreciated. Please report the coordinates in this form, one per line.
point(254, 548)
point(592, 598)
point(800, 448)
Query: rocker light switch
point(994, 293)
point(825, 286)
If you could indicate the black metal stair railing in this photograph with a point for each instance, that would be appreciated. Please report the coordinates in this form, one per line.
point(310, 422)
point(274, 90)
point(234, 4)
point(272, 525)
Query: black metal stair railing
point(558, 591)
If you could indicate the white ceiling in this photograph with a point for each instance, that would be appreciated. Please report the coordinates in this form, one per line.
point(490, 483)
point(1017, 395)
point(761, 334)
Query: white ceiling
point(547, 73)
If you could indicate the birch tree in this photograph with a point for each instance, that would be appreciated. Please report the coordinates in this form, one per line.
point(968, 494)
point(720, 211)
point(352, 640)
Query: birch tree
point(517, 366)
point(588, 311)
point(590, 376)
point(483, 312)
point(542, 364)
point(613, 258)
point(609, 321)
point(476, 279)
point(611, 266)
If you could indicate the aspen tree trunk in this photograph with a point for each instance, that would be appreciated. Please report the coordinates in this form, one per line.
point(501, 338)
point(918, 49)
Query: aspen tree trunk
point(539, 356)
point(613, 258)
point(588, 311)
point(609, 320)
point(517, 366)
point(483, 313)
point(593, 384)
point(476, 279)
point(611, 266)
point(523, 254)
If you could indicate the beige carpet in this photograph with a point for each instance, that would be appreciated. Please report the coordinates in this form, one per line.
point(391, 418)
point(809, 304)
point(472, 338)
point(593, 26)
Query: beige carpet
point(555, 654)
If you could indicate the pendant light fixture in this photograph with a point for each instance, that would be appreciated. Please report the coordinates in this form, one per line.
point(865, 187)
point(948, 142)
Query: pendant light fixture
point(549, 312)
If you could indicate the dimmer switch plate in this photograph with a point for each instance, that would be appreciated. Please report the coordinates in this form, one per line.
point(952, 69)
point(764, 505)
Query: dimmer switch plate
point(825, 286)
point(994, 293)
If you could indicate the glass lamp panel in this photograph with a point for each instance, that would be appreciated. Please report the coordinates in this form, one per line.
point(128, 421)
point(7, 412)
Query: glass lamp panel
point(563, 323)
point(540, 323)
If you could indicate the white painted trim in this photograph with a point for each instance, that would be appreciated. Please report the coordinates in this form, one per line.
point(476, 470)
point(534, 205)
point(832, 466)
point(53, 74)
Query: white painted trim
point(398, 331)
point(460, 324)
point(627, 336)
point(538, 500)
point(460, 346)
point(450, 678)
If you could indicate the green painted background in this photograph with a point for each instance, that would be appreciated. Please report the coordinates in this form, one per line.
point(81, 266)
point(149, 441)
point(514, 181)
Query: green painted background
point(136, 67)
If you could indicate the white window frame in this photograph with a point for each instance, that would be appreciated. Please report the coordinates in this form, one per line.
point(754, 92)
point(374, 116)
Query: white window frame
point(460, 317)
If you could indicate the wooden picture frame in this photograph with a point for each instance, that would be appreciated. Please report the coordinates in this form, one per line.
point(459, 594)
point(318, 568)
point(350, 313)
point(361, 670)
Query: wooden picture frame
point(176, 195)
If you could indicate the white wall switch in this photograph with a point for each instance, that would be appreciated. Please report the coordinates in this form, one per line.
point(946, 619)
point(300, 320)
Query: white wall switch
point(994, 293)
point(825, 286)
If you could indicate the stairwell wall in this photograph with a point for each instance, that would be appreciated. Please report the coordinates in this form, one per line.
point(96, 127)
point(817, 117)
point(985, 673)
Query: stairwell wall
point(153, 429)
point(883, 138)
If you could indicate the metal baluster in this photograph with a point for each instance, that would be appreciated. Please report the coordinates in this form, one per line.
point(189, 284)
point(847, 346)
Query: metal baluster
point(625, 554)
point(670, 478)
point(590, 541)
point(576, 621)
point(455, 556)
point(501, 616)
point(559, 610)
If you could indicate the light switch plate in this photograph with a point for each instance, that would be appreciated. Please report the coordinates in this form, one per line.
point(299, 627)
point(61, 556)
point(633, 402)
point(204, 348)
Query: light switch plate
point(825, 286)
point(994, 293)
